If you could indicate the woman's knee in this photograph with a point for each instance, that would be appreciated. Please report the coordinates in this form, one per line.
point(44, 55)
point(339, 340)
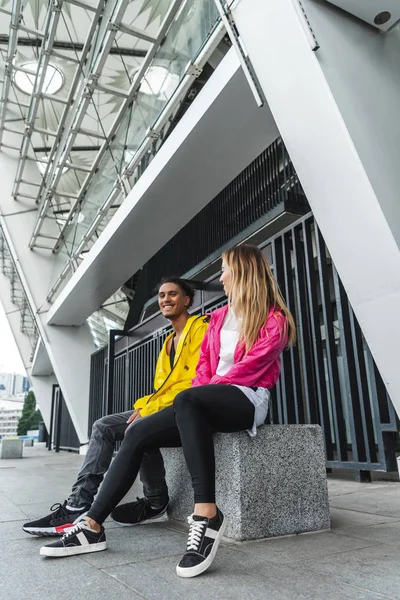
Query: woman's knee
point(184, 399)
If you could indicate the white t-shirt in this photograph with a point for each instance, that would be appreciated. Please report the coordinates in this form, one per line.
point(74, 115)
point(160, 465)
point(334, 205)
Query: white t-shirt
point(229, 338)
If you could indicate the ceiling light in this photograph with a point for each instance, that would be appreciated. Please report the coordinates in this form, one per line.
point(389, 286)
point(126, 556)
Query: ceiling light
point(53, 80)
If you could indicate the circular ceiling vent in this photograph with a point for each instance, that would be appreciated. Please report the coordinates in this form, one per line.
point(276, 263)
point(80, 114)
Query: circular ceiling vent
point(53, 80)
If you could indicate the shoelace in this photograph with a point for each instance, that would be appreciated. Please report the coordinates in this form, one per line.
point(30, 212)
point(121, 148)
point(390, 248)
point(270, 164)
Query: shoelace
point(195, 533)
point(59, 509)
point(75, 529)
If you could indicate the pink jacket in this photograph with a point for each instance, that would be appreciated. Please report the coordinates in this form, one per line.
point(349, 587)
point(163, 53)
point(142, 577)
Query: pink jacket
point(259, 368)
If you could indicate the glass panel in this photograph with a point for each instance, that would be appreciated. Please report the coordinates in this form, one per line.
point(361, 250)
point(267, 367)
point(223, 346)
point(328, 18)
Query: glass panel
point(191, 28)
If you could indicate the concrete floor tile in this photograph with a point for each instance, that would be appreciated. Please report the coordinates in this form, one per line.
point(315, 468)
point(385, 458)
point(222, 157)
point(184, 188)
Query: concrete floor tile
point(374, 568)
point(12, 530)
point(23, 573)
point(8, 510)
point(343, 519)
point(382, 533)
point(301, 547)
point(137, 544)
point(234, 576)
point(377, 499)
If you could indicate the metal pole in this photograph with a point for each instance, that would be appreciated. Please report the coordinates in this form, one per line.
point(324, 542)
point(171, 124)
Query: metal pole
point(58, 419)
point(53, 399)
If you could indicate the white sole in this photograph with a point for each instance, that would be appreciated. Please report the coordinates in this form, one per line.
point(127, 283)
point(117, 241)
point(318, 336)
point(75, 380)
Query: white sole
point(51, 531)
point(198, 569)
point(73, 550)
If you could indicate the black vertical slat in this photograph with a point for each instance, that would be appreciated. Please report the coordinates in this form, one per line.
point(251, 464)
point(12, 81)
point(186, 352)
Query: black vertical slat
point(352, 398)
point(362, 381)
point(292, 379)
point(53, 400)
point(284, 412)
point(110, 372)
point(339, 423)
point(316, 337)
point(303, 333)
point(58, 418)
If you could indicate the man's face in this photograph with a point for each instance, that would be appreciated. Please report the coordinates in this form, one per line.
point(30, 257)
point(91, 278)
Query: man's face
point(172, 300)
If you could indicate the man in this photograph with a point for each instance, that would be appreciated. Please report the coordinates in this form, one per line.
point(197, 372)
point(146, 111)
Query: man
point(175, 369)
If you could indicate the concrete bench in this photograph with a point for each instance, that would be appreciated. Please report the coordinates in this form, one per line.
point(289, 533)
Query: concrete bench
point(271, 485)
point(28, 442)
point(11, 448)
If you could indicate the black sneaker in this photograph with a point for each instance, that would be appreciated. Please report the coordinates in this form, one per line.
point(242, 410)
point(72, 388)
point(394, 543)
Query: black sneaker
point(134, 513)
point(56, 523)
point(81, 539)
point(204, 538)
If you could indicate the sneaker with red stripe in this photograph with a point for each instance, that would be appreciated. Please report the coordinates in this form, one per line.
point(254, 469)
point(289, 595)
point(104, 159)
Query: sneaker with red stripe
point(57, 522)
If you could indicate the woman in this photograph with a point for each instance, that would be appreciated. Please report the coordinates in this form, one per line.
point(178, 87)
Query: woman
point(239, 363)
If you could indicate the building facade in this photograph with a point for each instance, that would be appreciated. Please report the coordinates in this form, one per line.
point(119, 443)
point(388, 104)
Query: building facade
point(143, 138)
point(10, 413)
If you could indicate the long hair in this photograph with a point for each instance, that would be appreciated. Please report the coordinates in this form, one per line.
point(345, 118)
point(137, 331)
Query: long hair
point(254, 290)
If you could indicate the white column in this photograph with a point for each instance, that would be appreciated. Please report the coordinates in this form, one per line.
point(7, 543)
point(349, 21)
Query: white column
point(348, 168)
point(68, 348)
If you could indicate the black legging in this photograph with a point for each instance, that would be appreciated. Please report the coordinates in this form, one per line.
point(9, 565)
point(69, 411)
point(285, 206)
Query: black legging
point(190, 423)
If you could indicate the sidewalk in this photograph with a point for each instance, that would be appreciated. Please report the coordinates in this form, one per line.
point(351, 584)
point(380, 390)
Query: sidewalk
point(357, 560)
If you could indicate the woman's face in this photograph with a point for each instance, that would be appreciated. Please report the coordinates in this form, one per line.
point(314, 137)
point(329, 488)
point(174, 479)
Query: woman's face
point(226, 278)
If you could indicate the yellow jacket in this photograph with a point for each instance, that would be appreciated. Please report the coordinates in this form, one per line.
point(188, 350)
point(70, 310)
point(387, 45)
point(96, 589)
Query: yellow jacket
point(168, 383)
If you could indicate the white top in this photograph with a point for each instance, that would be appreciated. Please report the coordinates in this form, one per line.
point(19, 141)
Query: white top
point(229, 338)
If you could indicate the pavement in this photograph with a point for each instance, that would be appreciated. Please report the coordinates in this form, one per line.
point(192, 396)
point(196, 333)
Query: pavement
point(357, 559)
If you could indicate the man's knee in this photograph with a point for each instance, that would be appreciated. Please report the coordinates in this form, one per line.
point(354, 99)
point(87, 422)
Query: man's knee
point(101, 425)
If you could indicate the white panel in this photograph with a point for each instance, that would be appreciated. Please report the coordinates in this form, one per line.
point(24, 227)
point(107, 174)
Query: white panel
point(337, 186)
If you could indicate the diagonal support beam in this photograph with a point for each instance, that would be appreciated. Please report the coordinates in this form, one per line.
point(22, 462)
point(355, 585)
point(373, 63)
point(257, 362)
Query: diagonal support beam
point(131, 95)
point(12, 47)
point(53, 17)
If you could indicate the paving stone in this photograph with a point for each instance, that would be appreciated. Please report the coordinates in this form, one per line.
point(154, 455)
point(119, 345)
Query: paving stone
point(381, 499)
point(302, 547)
point(24, 574)
point(138, 544)
point(375, 568)
point(382, 533)
point(343, 519)
point(234, 575)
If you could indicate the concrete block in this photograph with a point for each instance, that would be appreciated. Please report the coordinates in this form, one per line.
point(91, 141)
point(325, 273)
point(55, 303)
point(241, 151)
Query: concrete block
point(11, 448)
point(28, 442)
point(271, 485)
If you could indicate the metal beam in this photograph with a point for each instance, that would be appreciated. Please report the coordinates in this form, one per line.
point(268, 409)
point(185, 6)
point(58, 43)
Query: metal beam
point(129, 30)
point(53, 17)
point(11, 50)
point(131, 95)
point(62, 127)
point(72, 46)
point(203, 57)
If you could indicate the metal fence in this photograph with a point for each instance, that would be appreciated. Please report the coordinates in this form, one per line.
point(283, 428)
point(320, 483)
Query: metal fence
point(62, 434)
point(329, 377)
point(264, 190)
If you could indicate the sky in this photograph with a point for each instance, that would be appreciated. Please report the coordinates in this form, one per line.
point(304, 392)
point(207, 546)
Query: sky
point(10, 361)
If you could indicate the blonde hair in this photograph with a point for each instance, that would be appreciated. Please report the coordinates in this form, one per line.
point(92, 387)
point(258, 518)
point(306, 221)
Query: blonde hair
point(254, 290)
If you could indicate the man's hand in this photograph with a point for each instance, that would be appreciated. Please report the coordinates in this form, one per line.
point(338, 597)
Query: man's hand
point(134, 416)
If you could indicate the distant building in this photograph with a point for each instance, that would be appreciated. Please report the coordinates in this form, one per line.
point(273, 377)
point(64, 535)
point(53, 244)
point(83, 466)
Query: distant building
point(13, 384)
point(10, 414)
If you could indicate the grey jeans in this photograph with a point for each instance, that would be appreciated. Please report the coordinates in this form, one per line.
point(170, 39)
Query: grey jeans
point(105, 433)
